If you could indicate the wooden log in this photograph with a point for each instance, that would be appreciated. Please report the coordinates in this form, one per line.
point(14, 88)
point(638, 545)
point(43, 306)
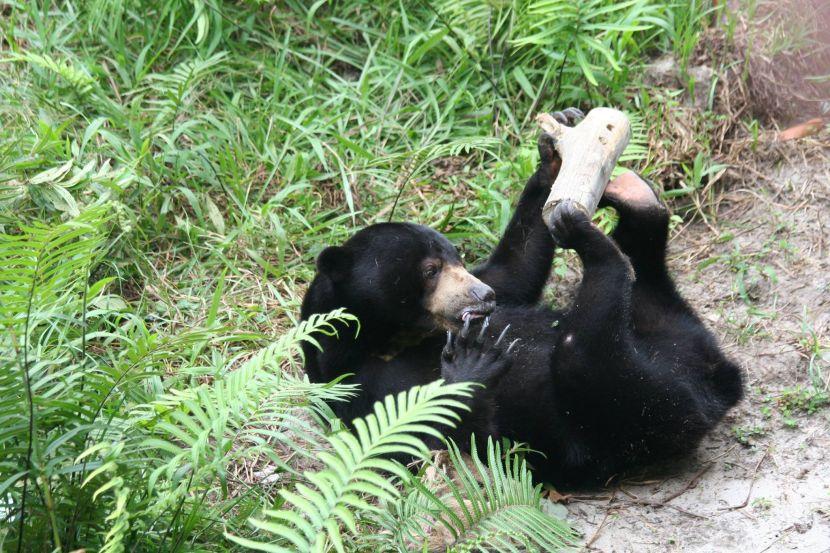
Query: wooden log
point(589, 152)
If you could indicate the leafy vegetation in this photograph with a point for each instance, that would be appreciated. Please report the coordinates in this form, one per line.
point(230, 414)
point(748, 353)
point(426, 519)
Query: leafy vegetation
point(169, 170)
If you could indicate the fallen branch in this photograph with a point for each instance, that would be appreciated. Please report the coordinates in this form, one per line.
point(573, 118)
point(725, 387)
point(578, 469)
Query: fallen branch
point(589, 152)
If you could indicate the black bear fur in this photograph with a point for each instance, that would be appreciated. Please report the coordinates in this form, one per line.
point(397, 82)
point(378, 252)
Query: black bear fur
point(625, 376)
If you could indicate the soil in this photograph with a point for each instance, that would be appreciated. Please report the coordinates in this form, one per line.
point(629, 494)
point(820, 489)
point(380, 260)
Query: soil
point(758, 272)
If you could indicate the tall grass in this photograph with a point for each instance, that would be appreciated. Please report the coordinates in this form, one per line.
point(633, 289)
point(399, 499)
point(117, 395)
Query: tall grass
point(168, 171)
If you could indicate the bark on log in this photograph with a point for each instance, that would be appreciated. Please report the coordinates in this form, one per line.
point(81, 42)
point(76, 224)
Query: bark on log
point(589, 152)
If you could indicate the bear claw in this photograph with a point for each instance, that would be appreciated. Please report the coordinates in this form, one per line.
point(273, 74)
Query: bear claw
point(568, 116)
point(466, 359)
point(484, 326)
point(502, 335)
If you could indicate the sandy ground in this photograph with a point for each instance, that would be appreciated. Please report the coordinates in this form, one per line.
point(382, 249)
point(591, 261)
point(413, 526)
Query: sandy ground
point(770, 490)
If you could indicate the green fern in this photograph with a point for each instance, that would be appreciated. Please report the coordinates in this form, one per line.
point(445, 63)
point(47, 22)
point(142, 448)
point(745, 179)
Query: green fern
point(506, 507)
point(74, 440)
point(43, 283)
point(487, 507)
point(637, 149)
point(76, 76)
point(190, 435)
point(354, 470)
point(118, 517)
point(197, 428)
point(177, 89)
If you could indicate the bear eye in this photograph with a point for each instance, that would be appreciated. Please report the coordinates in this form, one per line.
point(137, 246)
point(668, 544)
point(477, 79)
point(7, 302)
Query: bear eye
point(430, 271)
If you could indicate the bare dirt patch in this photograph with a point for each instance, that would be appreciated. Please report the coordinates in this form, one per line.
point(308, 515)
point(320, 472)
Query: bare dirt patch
point(759, 275)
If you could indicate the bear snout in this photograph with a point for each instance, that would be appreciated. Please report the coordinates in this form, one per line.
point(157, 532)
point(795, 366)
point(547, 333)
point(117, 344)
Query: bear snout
point(459, 295)
point(482, 292)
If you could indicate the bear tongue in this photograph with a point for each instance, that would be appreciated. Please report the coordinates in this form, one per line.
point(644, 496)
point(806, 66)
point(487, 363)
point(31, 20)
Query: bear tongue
point(470, 316)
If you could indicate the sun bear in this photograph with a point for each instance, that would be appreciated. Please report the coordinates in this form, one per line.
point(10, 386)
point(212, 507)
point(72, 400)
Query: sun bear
point(625, 376)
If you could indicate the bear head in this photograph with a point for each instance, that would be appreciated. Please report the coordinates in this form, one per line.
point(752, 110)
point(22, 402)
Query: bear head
point(403, 275)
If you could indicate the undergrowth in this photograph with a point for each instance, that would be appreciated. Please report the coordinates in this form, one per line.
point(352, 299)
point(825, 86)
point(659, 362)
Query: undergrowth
point(168, 172)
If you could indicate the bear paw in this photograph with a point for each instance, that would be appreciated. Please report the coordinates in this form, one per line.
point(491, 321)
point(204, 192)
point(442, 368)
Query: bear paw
point(568, 116)
point(547, 142)
point(467, 357)
point(567, 222)
point(629, 192)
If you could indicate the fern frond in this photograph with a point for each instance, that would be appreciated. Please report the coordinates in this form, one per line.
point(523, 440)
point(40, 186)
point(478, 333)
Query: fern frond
point(637, 148)
point(43, 410)
point(322, 323)
point(489, 507)
point(76, 76)
point(176, 89)
point(354, 467)
point(195, 430)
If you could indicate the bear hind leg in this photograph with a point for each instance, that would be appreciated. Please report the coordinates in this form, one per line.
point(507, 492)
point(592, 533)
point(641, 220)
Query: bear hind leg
point(642, 234)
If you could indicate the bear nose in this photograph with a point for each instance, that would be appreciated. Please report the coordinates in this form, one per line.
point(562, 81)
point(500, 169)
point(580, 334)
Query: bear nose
point(483, 293)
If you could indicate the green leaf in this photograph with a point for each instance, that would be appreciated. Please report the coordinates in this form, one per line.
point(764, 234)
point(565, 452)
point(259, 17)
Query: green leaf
point(52, 175)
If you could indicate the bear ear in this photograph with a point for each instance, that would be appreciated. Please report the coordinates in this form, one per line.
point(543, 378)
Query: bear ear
point(335, 262)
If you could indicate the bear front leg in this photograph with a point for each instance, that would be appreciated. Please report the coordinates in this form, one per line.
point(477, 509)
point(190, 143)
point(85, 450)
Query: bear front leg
point(601, 312)
point(520, 264)
point(468, 358)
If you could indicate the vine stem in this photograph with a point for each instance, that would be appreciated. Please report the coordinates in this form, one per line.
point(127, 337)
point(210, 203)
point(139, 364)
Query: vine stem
point(21, 525)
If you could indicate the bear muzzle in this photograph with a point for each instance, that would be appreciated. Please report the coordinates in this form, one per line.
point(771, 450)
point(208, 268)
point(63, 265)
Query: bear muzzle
point(459, 296)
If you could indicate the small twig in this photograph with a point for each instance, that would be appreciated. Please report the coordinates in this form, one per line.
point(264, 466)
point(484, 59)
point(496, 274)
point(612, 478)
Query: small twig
point(691, 484)
point(745, 502)
point(601, 524)
point(636, 501)
point(650, 503)
point(560, 72)
point(722, 454)
point(627, 493)
point(401, 184)
point(779, 538)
